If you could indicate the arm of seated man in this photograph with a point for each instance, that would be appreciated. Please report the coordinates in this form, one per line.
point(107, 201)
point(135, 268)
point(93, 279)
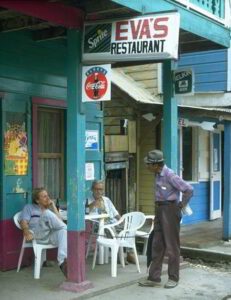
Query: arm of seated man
point(26, 230)
point(54, 209)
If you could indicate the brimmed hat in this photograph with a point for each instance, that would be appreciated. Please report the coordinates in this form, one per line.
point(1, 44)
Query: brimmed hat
point(154, 157)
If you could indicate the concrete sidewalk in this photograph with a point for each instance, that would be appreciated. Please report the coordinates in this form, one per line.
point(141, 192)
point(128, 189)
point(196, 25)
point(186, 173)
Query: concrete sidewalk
point(22, 286)
point(205, 237)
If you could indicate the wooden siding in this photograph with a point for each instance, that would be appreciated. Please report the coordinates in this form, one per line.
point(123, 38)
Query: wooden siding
point(199, 204)
point(210, 69)
point(147, 142)
point(114, 111)
point(145, 76)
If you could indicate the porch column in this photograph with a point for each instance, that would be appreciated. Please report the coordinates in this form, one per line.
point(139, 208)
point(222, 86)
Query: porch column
point(75, 179)
point(170, 114)
point(227, 182)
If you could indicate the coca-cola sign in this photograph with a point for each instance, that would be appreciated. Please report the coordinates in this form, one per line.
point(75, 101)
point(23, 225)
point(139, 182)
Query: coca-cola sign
point(96, 83)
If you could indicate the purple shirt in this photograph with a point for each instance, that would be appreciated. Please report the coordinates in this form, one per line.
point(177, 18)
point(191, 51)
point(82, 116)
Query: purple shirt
point(169, 185)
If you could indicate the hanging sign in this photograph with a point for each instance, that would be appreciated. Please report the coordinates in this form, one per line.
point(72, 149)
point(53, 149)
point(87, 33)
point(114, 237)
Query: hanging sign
point(96, 83)
point(183, 82)
point(152, 37)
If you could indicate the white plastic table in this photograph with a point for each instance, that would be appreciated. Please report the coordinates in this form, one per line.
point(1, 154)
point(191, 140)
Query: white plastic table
point(92, 217)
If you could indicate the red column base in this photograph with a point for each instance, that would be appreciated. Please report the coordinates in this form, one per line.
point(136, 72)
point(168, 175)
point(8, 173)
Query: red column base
point(76, 287)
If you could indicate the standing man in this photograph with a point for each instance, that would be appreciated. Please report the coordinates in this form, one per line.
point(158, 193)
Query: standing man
point(168, 207)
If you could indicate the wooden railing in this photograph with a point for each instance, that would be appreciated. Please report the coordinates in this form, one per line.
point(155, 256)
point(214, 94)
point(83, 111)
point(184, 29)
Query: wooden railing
point(218, 10)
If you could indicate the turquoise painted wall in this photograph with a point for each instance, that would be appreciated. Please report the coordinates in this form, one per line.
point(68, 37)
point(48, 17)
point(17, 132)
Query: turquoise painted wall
point(27, 68)
point(38, 69)
point(32, 68)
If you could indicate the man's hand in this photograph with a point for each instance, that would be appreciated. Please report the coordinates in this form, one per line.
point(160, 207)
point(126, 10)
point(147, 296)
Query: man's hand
point(51, 204)
point(28, 235)
point(180, 205)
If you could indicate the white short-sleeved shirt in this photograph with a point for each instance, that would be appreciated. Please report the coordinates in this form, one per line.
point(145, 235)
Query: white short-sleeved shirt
point(31, 213)
point(109, 208)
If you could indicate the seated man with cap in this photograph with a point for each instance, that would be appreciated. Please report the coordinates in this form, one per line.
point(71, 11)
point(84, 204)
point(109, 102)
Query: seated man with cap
point(166, 239)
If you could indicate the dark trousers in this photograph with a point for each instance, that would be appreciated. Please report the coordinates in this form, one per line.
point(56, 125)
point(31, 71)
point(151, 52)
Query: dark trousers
point(166, 241)
point(149, 248)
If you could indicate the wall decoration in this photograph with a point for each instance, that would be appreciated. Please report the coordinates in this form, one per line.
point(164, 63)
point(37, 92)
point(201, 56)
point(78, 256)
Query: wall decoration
point(96, 83)
point(89, 171)
point(92, 140)
point(18, 187)
point(15, 145)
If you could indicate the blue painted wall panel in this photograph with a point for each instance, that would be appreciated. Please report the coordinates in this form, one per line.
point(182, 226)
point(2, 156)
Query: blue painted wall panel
point(216, 196)
point(210, 69)
point(199, 204)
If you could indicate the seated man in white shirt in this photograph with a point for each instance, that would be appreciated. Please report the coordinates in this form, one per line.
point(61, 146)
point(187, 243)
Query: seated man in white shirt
point(102, 204)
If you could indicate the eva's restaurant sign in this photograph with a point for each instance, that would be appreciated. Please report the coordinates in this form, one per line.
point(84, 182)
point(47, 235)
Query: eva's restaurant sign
point(153, 37)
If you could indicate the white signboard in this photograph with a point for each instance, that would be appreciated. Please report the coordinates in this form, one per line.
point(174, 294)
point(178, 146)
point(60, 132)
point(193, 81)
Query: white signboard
point(152, 37)
point(89, 171)
point(92, 140)
point(96, 83)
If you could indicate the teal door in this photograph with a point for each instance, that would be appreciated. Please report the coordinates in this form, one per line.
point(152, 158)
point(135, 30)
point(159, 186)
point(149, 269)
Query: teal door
point(94, 147)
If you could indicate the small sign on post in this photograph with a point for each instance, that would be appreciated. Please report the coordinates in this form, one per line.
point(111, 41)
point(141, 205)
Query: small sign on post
point(184, 82)
point(96, 83)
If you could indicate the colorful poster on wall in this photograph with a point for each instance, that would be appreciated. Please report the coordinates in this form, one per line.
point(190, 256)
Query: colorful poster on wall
point(15, 145)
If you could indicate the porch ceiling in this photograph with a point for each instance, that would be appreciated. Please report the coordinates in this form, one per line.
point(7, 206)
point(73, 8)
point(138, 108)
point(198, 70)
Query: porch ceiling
point(194, 35)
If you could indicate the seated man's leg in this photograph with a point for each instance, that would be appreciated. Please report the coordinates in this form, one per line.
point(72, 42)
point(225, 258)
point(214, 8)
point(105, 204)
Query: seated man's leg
point(59, 238)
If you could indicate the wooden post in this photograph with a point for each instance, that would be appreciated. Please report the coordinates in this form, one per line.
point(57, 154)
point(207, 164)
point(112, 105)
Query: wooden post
point(75, 169)
point(227, 182)
point(170, 116)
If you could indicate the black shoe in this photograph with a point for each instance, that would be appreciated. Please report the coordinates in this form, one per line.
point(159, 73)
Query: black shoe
point(63, 267)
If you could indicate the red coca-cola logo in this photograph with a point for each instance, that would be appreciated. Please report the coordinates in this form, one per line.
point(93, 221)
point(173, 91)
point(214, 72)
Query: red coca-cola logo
point(96, 85)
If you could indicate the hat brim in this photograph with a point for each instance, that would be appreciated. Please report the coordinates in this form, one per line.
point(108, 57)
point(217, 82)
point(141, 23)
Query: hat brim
point(148, 161)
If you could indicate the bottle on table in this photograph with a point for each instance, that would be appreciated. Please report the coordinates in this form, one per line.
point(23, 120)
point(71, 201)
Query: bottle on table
point(87, 209)
point(58, 203)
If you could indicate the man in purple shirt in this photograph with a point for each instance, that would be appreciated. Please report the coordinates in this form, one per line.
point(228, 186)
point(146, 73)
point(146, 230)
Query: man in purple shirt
point(168, 208)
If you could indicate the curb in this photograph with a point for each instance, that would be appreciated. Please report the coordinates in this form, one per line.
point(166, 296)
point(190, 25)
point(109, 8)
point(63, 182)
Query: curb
point(89, 295)
point(205, 254)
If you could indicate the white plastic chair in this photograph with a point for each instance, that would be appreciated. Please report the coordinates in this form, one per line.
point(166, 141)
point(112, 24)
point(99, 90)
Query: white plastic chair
point(39, 251)
point(144, 234)
point(130, 223)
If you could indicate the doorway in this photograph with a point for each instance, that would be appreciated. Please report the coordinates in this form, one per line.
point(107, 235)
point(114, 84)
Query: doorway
point(48, 150)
